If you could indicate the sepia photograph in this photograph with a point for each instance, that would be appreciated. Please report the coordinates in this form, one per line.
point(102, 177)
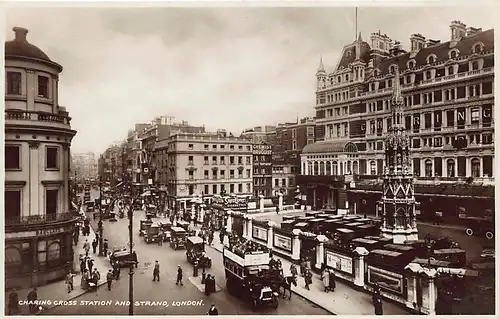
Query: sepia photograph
point(249, 159)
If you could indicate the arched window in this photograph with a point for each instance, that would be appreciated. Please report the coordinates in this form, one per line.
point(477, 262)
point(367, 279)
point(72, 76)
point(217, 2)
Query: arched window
point(339, 79)
point(428, 168)
point(392, 69)
point(477, 48)
point(355, 167)
point(450, 168)
point(431, 59)
point(453, 54)
point(316, 168)
point(376, 72)
point(12, 259)
point(373, 168)
point(328, 168)
point(335, 169)
point(349, 170)
point(475, 167)
point(347, 77)
point(411, 64)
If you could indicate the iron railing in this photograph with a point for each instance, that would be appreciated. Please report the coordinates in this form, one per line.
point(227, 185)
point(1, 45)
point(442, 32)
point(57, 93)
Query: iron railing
point(40, 219)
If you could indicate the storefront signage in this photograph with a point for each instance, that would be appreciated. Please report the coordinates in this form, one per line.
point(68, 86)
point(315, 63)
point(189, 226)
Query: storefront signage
point(283, 242)
point(386, 279)
point(259, 233)
point(50, 231)
point(339, 262)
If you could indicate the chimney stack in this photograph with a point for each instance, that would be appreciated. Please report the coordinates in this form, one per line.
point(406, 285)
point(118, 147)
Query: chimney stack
point(458, 30)
point(431, 42)
point(20, 33)
point(472, 30)
point(417, 42)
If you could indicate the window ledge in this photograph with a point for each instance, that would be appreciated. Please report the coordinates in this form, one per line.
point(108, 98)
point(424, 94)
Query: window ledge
point(52, 169)
point(53, 182)
point(15, 183)
point(14, 169)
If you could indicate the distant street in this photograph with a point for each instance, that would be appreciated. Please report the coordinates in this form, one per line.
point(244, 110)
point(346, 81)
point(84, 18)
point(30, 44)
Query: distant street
point(166, 290)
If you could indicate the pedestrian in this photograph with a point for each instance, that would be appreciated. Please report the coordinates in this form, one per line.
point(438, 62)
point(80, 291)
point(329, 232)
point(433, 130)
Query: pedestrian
point(94, 246)
point(325, 276)
point(277, 210)
point(302, 267)
point(377, 304)
point(332, 280)
point(221, 236)
point(308, 278)
point(105, 247)
point(109, 278)
point(90, 263)
point(75, 238)
point(83, 265)
point(156, 271)
point(134, 258)
point(117, 270)
point(293, 270)
point(86, 247)
point(160, 238)
point(69, 281)
point(195, 267)
point(85, 279)
point(13, 303)
point(308, 263)
point(213, 310)
point(32, 298)
point(179, 275)
point(96, 276)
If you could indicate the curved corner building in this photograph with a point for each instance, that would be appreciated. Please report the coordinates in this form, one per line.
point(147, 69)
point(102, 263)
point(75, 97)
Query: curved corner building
point(39, 218)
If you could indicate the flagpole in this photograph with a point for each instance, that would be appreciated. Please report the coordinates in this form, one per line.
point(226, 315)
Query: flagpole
point(356, 23)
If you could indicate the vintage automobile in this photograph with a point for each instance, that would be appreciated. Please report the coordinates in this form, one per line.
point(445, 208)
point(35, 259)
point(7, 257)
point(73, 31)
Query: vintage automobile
point(178, 238)
point(122, 255)
point(145, 223)
point(152, 234)
point(166, 227)
point(480, 227)
point(195, 248)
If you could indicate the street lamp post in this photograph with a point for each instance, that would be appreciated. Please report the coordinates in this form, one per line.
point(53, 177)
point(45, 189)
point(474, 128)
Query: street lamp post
point(131, 269)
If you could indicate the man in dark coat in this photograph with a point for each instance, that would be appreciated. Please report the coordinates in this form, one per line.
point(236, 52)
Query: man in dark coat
point(179, 275)
point(94, 246)
point(105, 247)
point(156, 271)
point(116, 270)
point(109, 278)
point(32, 298)
point(134, 258)
point(13, 303)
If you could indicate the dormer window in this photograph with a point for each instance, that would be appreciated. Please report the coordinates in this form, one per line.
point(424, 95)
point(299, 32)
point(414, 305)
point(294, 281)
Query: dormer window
point(431, 59)
point(376, 72)
point(477, 48)
point(451, 70)
point(392, 69)
point(411, 64)
point(475, 65)
point(453, 54)
point(428, 75)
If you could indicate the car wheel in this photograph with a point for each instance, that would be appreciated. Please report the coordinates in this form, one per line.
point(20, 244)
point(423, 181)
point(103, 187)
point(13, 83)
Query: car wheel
point(469, 232)
point(489, 235)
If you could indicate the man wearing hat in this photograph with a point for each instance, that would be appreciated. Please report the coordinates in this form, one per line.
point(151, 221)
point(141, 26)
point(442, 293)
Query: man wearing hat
point(179, 275)
point(213, 311)
point(156, 271)
point(109, 278)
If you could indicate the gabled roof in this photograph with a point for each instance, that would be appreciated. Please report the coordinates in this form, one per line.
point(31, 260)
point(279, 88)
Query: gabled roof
point(349, 54)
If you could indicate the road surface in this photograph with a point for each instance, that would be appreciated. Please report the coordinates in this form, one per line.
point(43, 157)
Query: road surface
point(166, 290)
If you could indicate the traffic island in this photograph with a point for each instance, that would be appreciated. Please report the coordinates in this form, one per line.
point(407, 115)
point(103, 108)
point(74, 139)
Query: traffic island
point(196, 281)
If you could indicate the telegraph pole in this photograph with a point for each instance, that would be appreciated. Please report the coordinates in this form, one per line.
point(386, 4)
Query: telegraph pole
point(100, 226)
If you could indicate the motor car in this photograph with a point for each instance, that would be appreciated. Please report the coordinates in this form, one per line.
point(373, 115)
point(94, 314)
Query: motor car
point(487, 254)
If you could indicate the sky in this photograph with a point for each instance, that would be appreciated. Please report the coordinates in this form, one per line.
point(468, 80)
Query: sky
point(230, 67)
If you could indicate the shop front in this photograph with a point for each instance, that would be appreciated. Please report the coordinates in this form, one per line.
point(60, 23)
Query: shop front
point(37, 254)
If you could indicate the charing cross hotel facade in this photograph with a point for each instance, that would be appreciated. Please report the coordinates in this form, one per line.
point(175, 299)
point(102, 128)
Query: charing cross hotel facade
point(448, 95)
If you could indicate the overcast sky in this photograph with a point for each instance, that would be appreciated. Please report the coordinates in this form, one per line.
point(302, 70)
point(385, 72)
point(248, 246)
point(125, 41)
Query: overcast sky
point(230, 68)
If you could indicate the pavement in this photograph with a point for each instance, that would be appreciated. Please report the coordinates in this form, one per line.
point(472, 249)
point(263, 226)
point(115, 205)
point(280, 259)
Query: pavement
point(343, 301)
point(183, 300)
point(58, 291)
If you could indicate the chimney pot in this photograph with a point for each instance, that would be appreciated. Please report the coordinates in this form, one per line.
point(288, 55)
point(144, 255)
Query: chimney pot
point(20, 33)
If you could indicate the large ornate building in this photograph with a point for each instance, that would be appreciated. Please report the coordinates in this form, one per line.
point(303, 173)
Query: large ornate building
point(447, 88)
point(38, 218)
point(206, 164)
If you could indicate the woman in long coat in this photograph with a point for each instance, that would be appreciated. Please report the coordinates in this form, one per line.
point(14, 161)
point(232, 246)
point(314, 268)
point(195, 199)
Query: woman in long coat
point(85, 279)
point(326, 279)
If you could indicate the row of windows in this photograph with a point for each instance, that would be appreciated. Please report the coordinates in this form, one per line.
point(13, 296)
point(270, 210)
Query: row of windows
point(14, 84)
point(14, 199)
point(217, 189)
point(222, 160)
point(19, 258)
point(13, 157)
point(222, 174)
point(206, 147)
point(262, 171)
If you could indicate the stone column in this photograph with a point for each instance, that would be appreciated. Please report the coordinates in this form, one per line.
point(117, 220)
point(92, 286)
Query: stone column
point(468, 170)
point(270, 235)
point(261, 203)
point(296, 244)
point(202, 213)
point(249, 228)
point(429, 291)
point(34, 180)
point(31, 86)
point(229, 226)
point(413, 269)
point(280, 201)
point(320, 250)
point(331, 168)
point(359, 266)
